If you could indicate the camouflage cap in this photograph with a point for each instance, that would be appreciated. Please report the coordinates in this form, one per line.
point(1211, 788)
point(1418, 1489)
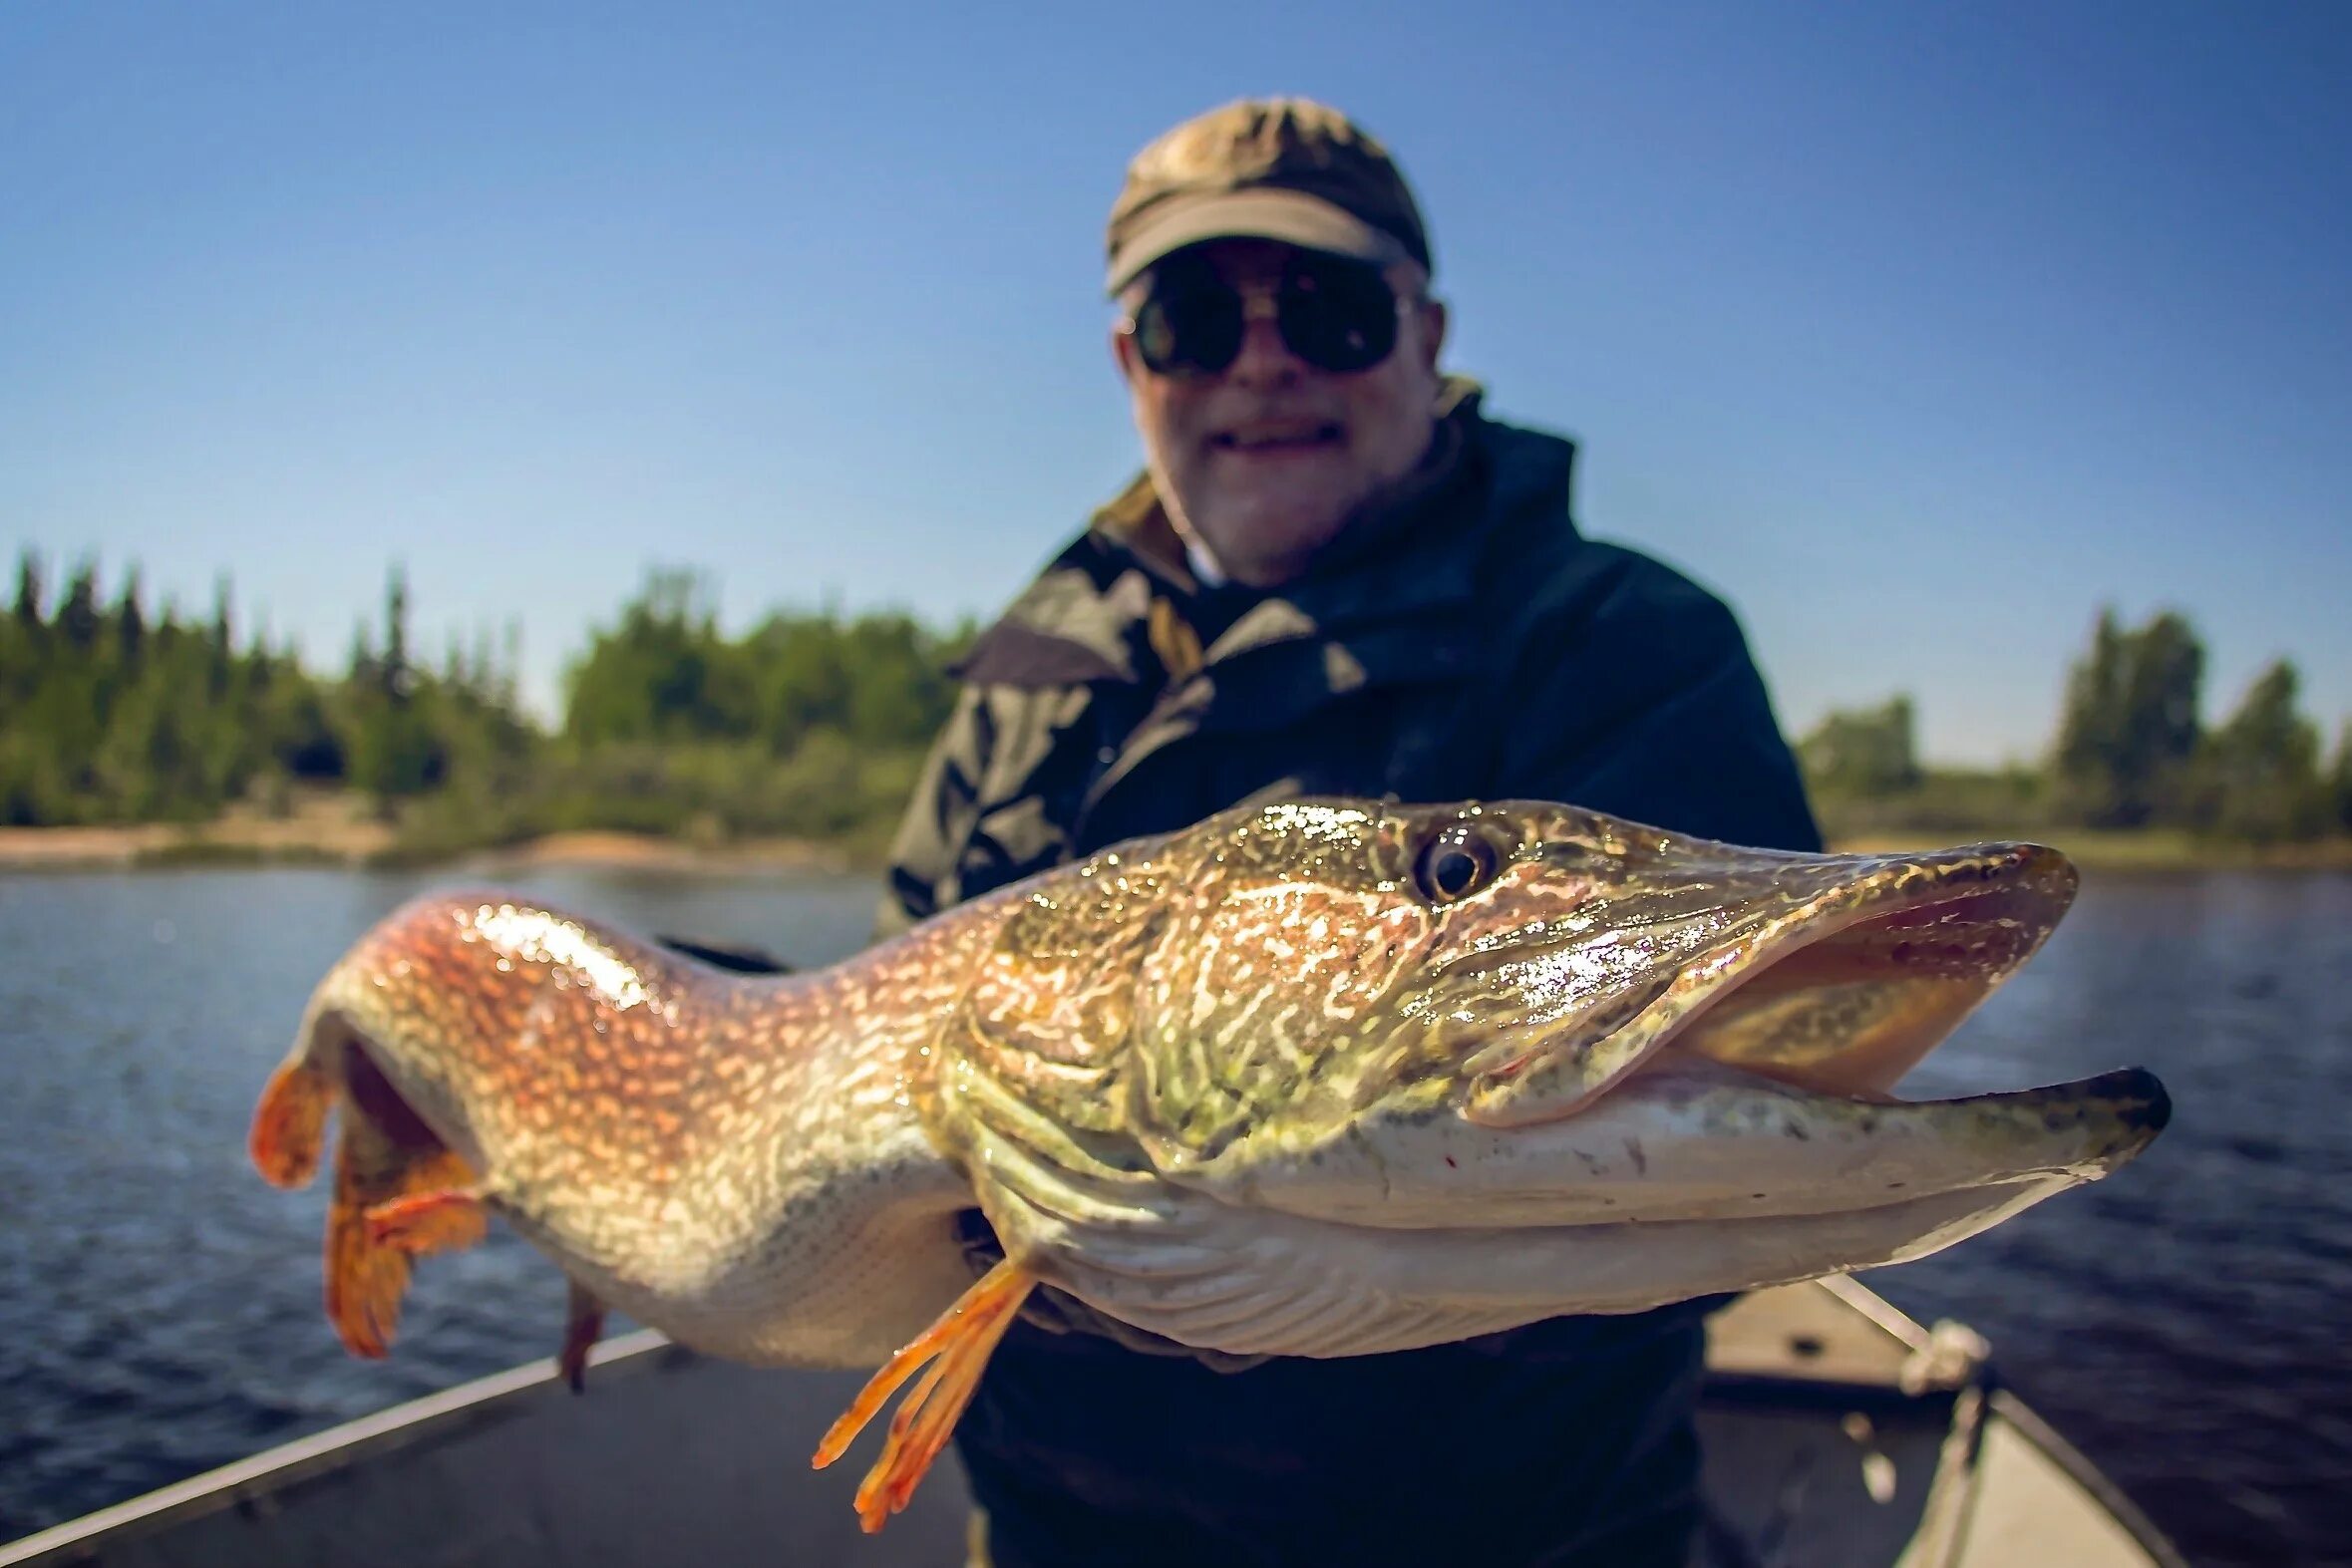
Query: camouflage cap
point(1284, 169)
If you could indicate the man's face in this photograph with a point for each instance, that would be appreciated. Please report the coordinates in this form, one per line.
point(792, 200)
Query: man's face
point(1263, 463)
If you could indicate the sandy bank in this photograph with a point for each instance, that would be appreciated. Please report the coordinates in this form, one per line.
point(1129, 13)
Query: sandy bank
point(374, 844)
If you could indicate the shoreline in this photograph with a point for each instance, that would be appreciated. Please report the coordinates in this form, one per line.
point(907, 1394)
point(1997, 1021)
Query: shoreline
point(2108, 850)
point(344, 840)
point(374, 846)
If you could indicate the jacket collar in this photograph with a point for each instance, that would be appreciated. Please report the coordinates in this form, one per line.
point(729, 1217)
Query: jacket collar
point(1368, 601)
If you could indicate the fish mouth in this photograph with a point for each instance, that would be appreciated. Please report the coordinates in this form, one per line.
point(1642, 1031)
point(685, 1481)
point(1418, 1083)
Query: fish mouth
point(1840, 993)
point(1750, 1087)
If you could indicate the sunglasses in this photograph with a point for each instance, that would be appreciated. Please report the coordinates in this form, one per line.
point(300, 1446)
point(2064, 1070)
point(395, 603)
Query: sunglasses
point(1336, 315)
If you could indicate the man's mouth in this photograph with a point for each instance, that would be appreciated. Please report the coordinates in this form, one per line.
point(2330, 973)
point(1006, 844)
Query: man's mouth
point(1279, 438)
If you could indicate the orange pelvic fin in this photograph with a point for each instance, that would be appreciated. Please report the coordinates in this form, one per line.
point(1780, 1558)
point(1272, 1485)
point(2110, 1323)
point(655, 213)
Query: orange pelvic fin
point(396, 1196)
point(958, 1347)
point(583, 1323)
point(447, 1219)
point(289, 1131)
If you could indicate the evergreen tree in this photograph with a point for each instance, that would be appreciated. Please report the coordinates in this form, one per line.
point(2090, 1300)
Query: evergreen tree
point(661, 674)
point(2263, 765)
point(391, 744)
point(77, 617)
point(221, 649)
point(29, 592)
point(2127, 732)
point(1864, 753)
point(397, 675)
point(360, 668)
point(129, 624)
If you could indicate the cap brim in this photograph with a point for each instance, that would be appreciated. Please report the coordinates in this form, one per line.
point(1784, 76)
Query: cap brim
point(1290, 216)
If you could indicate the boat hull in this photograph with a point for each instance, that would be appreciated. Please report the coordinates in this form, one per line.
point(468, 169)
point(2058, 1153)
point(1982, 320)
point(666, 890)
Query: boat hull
point(1816, 1452)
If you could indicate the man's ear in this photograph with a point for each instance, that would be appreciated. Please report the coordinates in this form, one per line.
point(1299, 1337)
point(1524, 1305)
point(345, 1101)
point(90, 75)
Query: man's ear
point(1123, 355)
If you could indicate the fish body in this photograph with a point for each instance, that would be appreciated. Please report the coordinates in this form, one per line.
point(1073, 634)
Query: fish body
point(1316, 1079)
point(733, 1158)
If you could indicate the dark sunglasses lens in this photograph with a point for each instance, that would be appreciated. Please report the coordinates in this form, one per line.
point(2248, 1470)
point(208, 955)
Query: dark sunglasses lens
point(1339, 318)
point(1189, 329)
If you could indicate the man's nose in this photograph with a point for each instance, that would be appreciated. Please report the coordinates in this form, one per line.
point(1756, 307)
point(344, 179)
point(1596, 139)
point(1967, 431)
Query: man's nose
point(1265, 358)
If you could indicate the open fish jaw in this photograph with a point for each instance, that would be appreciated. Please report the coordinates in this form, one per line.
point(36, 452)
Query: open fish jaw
point(1839, 974)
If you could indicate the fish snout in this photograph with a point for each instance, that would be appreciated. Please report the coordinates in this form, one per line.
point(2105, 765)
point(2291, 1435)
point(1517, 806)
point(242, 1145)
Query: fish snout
point(1836, 972)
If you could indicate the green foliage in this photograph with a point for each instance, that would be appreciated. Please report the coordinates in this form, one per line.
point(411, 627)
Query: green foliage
point(814, 724)
point(2127, 732)
point(2258, 777)
point(1958, 801)
point(810, 726)
point(1862, 752)
point(28, 592)
point(108, 717)
point(661, 672)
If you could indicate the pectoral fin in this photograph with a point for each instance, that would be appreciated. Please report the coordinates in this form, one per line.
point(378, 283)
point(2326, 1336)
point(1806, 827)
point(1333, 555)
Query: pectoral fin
point(958, 1347)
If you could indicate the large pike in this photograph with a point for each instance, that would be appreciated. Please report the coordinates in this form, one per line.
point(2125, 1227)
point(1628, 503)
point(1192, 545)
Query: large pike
point(1323, 1079)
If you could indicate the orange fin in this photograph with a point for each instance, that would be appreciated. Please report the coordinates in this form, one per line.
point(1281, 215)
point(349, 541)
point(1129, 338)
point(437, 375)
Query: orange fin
point(447, 1219)
point(291, 1124)
point(583, 1321)
point(958, 1347)
point(423, 1191)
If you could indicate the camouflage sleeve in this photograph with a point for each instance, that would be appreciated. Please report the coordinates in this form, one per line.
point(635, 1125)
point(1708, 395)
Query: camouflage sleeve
point(926, 855)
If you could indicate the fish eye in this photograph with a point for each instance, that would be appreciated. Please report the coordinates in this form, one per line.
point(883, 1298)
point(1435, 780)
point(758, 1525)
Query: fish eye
point(1454, 864)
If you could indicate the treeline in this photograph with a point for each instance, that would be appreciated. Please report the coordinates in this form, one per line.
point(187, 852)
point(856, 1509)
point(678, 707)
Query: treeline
point(115, 715)
point(813, 724)
point(2132, 752)
point(810, 723)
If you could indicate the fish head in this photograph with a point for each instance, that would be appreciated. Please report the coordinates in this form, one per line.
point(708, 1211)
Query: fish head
point(1515, 960)
point(1487, 1036)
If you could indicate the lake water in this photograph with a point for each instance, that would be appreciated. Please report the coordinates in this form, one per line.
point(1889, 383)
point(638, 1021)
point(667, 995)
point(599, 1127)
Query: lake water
point(2182, 1323)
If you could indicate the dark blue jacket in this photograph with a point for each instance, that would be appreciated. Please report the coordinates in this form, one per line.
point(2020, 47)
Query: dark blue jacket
point(1463, 642)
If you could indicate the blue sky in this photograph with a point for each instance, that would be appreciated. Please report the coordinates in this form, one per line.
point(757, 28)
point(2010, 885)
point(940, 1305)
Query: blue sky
point(1919, 332)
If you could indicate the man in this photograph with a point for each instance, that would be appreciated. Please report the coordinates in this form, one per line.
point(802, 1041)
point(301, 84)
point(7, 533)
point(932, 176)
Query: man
point(1336, 575)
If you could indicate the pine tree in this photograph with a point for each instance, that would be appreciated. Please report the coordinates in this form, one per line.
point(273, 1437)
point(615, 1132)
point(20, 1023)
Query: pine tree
point(29, 592)
point(77, 617)
point(2264, 764)
point(2127, 732)
point(129, 624)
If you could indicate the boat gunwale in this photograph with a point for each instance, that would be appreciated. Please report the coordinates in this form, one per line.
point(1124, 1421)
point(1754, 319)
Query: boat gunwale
point(274, 1470)
point(250, 1481)
point(2070, 1461)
